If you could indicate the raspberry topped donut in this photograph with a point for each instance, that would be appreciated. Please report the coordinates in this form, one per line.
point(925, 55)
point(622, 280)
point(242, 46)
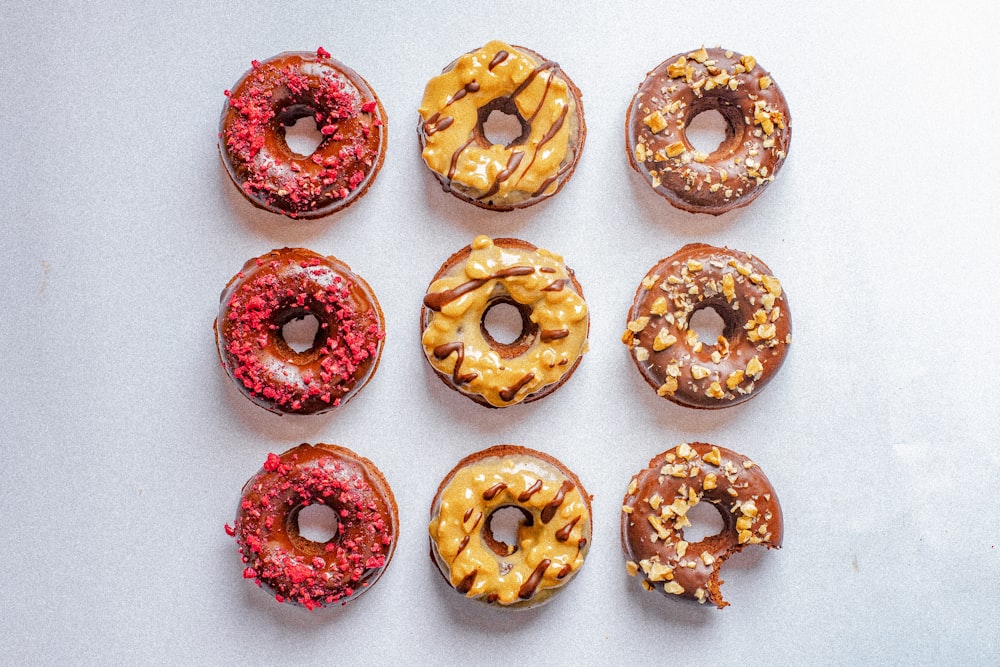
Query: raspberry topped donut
point(520, 83)
point(554, 322)
point(758, 130)
point(655, 513)
point(756, 327)
point(552, 535)
point(291, 284)
point(278, 92)
point(299, 570)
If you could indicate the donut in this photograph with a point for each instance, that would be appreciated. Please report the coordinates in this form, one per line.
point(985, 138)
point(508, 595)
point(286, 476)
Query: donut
point(299, 570)
point(758, 130)
point(553, 532)
point(278, 92)
point(654, 515)
point(757, 327)
point(290, 284)
point(520, 83)
point(554, 322)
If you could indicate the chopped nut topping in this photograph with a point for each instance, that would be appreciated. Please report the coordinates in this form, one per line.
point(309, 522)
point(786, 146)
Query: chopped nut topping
point(638, 324)
point(675, 149)
point(660, 572)
point(649, 281)
point(734, 379)
point(655, 122)
point(749, 62)
point(754, 367)
point(633, 486)
point(714, 457)
point(744, 523)
point(699, 56)
point(699, 372)
point(640, 152)
point(668, 387)
point(707, 558)
point(694, 265)
point(626, 509)
point(729, 287)
point(646, 585)
point(685, 452)
point(682, 548)
point(659, 306)
point(655, 501)
point(657, 525)
point(772, 285)
point(663, 340)
point(641, 353)
point(715, 391)
point(710, 482)
point(677, 69)
point(764, 82)
point(673, 587)
point(749, 508)
point(631, 567)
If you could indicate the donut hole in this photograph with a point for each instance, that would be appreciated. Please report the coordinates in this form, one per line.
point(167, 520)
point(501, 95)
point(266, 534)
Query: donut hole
point(507, 327)
point(706, 521)
point(302, 136)
point(316, 523)
point(301, 332)
point(712, 127)
point(502, 526)
point(708, 324)
point(499, 123)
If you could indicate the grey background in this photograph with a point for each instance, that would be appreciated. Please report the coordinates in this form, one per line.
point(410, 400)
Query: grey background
point(124, 446)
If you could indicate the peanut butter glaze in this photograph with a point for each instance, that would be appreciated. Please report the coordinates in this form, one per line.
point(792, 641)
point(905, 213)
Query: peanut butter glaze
point(654, 515)
point(555, 322)
point(708, 374)
point(298, 570)
point(289, 284)
point(276, 93)
point(552, 538)
point(758, 130)
point(518, 82)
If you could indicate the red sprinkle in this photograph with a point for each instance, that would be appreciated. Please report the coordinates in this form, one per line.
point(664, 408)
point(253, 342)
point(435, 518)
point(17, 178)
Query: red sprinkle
point(322, 53)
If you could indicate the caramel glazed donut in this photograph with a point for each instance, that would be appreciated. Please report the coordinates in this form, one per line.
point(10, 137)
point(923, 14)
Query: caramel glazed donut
point(758, 130)
point(518, 82)
point(654, 515)
point(301, 571)
point(554, 316)
point(286, 285)
point(756, 327)
point(275, 94)
point(553, 536)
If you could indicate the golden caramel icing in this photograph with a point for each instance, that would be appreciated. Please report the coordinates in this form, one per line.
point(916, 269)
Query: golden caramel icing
point(515, 80)
point(555, 321)
point(552, 538)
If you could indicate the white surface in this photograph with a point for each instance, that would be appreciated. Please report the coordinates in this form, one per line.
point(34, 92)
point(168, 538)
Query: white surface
point(124, 446)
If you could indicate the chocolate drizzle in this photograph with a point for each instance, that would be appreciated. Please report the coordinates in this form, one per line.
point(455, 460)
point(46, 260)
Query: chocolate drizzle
point(505, 173)
point(443, 351)
point(563, 533)
point(555, 286)
point(491, 493)
point(509, 393)
point(497, 59)
point(471, 87)
point(438, 300)
point(461, 547)
point(435, 124)
point(465, 585)
point(531, 583)
point(549, 335)
point(525, 495)
point(549, 510)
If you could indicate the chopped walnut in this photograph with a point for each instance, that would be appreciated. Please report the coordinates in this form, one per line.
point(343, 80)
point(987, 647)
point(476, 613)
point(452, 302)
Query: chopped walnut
point(655, 122)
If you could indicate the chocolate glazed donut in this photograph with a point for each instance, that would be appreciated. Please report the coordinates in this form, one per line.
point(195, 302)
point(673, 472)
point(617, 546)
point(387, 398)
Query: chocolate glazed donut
point(278, 92)
point(709, 374)
point(299, 570)
point(290, 284)
point(655, 509)
point(758, 130)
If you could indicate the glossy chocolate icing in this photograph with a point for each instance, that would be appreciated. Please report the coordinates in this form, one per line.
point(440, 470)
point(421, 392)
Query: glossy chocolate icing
point(288, 284)
point(758, 130)
point(709, 374)
point(654, 514)
point(296, 569)
point(276, 93)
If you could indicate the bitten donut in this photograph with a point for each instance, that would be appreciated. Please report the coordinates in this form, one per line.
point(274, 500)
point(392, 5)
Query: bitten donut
point(553, 533)
point(554, 318)
point(654, 515)
point(757, 327)
point(290, 284)
point(301, 571)
point(518, 82)
point(758, 130)
point(275, 94)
